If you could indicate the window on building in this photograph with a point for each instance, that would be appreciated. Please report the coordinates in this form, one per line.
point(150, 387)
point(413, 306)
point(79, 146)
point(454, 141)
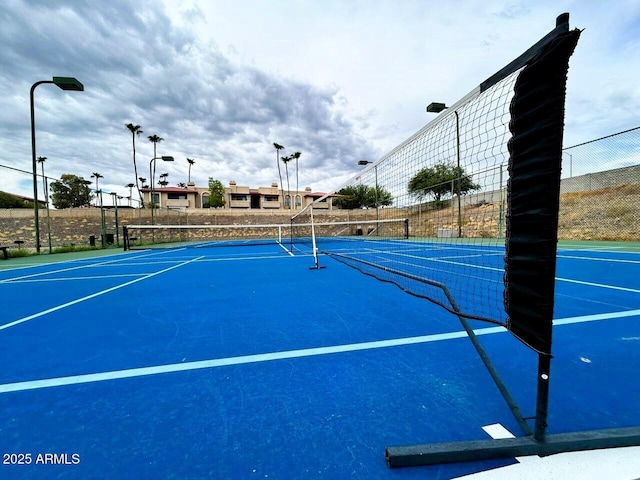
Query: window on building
point(177, 196)
point(287, 201)
point(238, 197)
point(298, 201)
point(270, 198)
point(155, 199)
point(205, 200)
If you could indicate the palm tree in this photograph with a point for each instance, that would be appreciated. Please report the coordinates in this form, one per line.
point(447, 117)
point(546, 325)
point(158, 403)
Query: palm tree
point(278, 148)
point(143, 181)
point(286, 161)
point(163, 182)
point(97, 176)
point(191, 162)
point(297, 156)
point(135, 130)
point(155, 139)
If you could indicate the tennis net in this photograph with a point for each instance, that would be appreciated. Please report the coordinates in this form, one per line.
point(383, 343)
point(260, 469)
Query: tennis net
point(137, 237)
point(479, 186)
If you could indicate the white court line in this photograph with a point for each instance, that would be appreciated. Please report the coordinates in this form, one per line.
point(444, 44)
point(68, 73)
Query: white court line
point(89, 265)
point(268, 357)
point(596, 259)
point(93, 295)
point(285, 249)
point(93, 277)
point(591, 284)
point(75, 260)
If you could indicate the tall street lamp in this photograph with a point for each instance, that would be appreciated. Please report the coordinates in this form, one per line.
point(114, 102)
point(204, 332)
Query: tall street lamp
point(375, 169)
point(114, 201)
point(97, 176)
point(164, 158)
point(130, 187)
point(65, 83)
point(437, 107)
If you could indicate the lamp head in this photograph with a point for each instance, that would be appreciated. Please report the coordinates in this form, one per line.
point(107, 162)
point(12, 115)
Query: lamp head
point(68, 83)
point(436, 107)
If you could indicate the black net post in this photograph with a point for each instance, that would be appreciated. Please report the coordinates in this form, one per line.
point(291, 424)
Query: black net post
point(535, 162)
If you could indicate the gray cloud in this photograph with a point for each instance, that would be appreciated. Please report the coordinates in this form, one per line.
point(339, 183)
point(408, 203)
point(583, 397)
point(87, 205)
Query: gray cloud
point(137, 67)
point(349, 83)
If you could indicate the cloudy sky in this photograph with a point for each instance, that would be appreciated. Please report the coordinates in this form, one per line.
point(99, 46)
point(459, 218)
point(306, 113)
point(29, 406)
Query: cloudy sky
point(221, 80)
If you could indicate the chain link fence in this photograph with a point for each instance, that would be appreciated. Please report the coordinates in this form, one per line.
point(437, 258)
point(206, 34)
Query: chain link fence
point(599, 200)
point(600, 189)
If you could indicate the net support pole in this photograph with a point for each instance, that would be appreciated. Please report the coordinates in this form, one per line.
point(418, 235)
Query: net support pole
point(536, 125)
point(460, 179)
point(314, 246)
point(542, 397)
point(513, 406)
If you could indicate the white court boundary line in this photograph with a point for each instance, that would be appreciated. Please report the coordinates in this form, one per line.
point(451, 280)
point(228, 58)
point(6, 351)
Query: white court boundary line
point(267, 357)
point(93, 295)
point(65, 279)
point(77, 267)
point(12, 268)
point(133, 263)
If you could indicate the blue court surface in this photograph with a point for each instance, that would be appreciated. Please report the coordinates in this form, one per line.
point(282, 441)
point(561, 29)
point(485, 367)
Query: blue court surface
point(242, 362)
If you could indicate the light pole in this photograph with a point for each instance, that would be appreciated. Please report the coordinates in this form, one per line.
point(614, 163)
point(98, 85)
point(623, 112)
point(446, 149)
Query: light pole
point(437, 107)
point(164, 158)
point(375, 170)
point(65, 83)
point(46, 196)
point(97, 176)
point(130, 187)
point(114, 201)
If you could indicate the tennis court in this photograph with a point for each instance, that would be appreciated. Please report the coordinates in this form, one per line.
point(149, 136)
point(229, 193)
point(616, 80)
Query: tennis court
point(243, 362)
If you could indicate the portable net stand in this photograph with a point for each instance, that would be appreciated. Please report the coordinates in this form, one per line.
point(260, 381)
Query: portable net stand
point(349, 237)
point(536, 126)
point(479, 187)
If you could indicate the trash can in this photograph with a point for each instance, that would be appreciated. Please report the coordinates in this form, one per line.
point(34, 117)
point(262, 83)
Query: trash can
point(110, 240)
point(92, 240)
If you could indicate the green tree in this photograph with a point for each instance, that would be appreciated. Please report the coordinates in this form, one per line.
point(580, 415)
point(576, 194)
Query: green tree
point(360, 195)
point(440, 180)
point(70, 191)
point(216, 193)
point(351, 197)
point(383, 197)
point(10, 201)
